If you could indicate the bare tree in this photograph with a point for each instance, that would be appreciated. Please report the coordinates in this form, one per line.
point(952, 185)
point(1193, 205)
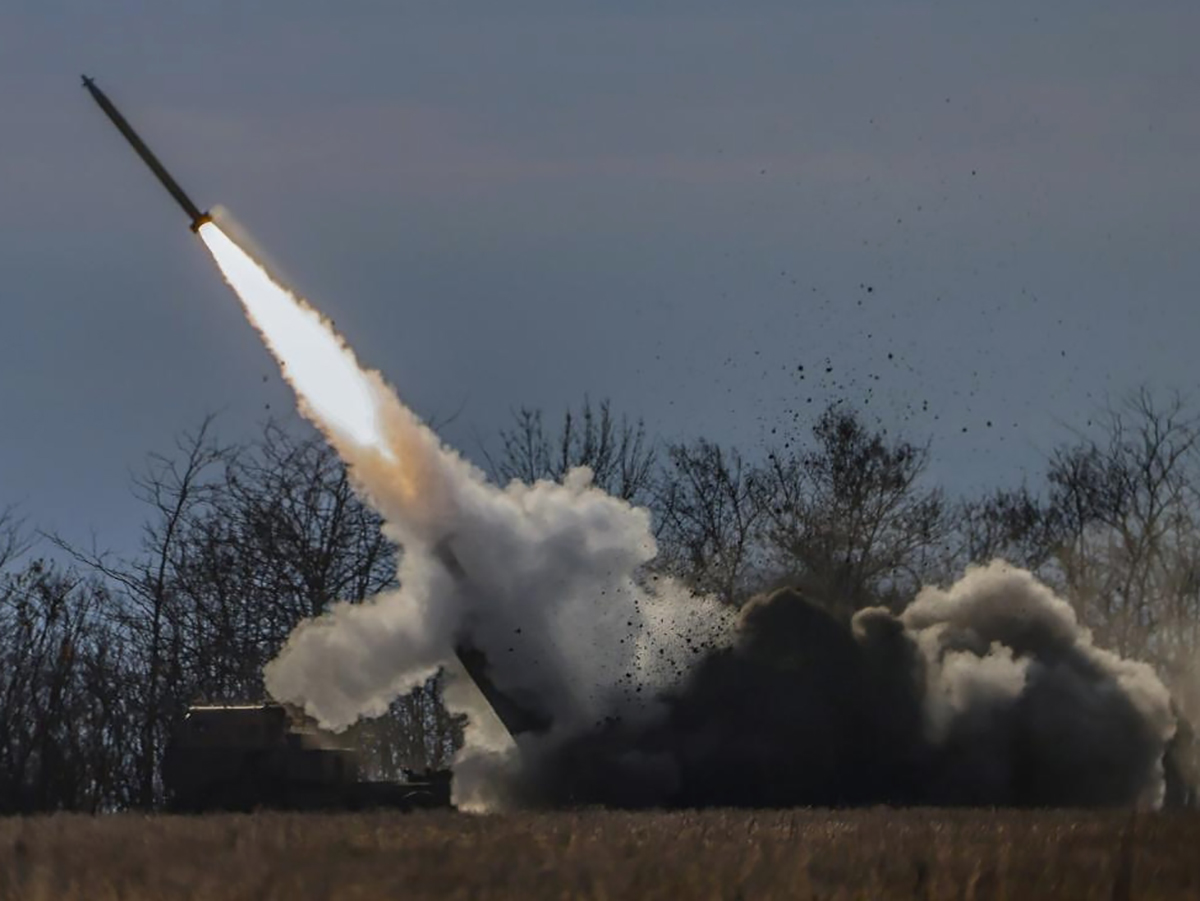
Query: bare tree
point(1012, 524)
point(616, 450)
point(708, 520)
point(13, 539)
point(847, 518)
point(178, 490)
point(287, 537)
point(1126, 505)
point(64, 701)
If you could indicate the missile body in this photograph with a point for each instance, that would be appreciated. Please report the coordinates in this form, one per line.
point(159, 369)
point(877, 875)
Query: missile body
point(197, 218)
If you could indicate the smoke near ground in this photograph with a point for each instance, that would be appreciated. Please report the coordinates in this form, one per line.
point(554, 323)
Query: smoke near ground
point(988, 692)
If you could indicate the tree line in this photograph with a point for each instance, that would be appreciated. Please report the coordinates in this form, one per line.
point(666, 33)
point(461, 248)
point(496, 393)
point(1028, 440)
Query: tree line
point(100, 654)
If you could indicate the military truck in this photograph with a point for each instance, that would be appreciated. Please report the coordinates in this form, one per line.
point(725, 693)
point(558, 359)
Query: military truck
point(265, 754)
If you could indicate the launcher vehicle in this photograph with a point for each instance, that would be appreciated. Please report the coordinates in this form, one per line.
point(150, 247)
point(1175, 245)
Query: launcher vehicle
point(246, 756)
point(266, 754)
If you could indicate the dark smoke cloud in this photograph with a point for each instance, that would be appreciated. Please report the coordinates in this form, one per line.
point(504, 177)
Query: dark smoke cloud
point(987, 693)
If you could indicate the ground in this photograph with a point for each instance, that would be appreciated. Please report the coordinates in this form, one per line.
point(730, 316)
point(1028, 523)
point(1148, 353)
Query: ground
point(871, 854)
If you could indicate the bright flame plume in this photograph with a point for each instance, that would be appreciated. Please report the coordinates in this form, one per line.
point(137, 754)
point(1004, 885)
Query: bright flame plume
point(315, 360)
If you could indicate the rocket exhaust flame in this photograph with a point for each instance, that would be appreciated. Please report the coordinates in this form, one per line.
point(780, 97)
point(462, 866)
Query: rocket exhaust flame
point(315, 360)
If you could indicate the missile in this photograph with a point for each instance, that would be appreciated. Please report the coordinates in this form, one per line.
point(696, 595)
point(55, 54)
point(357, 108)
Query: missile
point(197, 218)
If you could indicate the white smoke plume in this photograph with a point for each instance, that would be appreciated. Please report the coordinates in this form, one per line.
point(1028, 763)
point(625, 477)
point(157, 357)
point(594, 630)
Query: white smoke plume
point(546, 579)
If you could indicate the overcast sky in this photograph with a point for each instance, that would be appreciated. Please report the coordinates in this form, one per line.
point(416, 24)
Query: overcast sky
point(968, 212)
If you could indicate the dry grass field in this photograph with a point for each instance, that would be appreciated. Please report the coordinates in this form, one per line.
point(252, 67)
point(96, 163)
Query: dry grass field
point(876, 854)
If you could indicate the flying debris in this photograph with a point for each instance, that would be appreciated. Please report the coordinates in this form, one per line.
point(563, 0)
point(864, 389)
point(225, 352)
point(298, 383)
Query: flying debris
point(197, 218)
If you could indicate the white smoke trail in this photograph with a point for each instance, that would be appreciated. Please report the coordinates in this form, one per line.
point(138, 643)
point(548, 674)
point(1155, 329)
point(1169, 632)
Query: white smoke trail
point(549, 585)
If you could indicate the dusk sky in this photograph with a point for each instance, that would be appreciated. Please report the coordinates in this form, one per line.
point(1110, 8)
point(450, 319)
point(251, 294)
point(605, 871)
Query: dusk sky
point(966, 213)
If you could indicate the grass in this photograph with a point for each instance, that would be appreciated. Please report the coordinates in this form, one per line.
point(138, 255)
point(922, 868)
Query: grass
point(873, 854)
